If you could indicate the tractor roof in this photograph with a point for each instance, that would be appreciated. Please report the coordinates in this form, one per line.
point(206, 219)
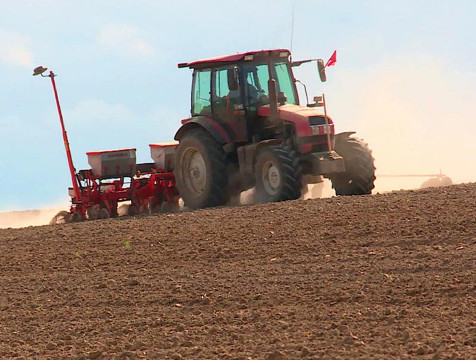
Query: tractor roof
point(231, 58)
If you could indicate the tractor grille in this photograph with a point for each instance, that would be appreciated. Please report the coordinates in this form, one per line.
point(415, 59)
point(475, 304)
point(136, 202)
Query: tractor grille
point(317, 120)
point(320, 143)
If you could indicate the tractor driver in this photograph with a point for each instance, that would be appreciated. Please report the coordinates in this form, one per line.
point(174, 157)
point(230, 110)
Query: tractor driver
point(256, 95)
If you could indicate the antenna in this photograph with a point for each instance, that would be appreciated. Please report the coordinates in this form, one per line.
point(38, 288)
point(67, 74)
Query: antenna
point(292, 30)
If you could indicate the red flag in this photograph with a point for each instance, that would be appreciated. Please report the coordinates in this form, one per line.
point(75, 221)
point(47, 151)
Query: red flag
point(333, 59)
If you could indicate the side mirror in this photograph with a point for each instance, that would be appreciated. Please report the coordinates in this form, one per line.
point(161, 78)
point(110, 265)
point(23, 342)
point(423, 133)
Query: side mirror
point(233, 78)
point(322, 70)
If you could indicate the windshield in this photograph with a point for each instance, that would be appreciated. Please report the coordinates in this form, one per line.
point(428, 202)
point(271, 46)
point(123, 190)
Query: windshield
point(257, 77)
point(284, 82)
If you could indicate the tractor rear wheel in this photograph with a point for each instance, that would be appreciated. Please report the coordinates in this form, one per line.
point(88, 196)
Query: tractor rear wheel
point(359, 175)
point(277, 175)
point(200, 170)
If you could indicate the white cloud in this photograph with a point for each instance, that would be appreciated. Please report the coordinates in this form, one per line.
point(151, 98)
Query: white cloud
point(125, 39)
point(14, 49)
point(97, 125)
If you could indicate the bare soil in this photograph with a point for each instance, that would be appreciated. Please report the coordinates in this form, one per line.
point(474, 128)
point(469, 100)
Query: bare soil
point(390, 276)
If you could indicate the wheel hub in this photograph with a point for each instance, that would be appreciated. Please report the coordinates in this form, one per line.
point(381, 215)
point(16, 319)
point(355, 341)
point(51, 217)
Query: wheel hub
point(271, 178)
point(195, 173)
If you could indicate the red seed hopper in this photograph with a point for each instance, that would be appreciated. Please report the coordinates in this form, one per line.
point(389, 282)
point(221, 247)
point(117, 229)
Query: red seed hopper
point(115, 177)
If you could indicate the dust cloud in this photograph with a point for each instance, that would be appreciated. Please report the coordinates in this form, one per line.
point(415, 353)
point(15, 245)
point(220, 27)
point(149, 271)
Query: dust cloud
point(19, 219)
point(415, 113)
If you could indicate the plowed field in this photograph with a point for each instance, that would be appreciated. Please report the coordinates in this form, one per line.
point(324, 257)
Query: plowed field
point(390, 276)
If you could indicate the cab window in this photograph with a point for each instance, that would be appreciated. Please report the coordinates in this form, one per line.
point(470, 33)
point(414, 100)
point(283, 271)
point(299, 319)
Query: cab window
point(262, 77)
point(283, 79)
point(222, 89)
point(201, 93)
point(256, 86)
point(223, 98)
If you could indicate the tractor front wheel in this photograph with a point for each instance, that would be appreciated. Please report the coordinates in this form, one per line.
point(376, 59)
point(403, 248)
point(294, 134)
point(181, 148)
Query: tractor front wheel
point(359, 175)
point(200, 170)
point(277, 175)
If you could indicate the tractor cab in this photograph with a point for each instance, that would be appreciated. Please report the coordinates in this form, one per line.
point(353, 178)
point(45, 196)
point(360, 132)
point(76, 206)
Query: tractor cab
point(231, 89)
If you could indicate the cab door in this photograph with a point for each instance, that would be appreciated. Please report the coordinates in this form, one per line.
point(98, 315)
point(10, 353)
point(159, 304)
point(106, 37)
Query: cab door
point(227, 105)
point(201, 93)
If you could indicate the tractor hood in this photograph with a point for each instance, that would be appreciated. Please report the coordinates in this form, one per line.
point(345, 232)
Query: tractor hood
point(310, 123)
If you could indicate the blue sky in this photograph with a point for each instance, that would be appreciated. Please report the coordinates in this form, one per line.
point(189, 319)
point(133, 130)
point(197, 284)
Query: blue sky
point(405, 78)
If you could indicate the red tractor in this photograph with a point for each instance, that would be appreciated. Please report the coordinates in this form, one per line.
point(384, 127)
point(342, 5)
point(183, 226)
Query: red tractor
point(247, 129)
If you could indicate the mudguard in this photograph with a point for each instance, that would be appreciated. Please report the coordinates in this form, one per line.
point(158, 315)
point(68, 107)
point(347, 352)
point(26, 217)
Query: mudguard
point(343, 135)
point(215, 129)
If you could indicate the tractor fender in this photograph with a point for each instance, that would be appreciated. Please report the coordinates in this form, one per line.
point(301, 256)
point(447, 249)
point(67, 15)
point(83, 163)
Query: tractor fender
point(208, 124)
point(343, 135)
point(246, 160)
